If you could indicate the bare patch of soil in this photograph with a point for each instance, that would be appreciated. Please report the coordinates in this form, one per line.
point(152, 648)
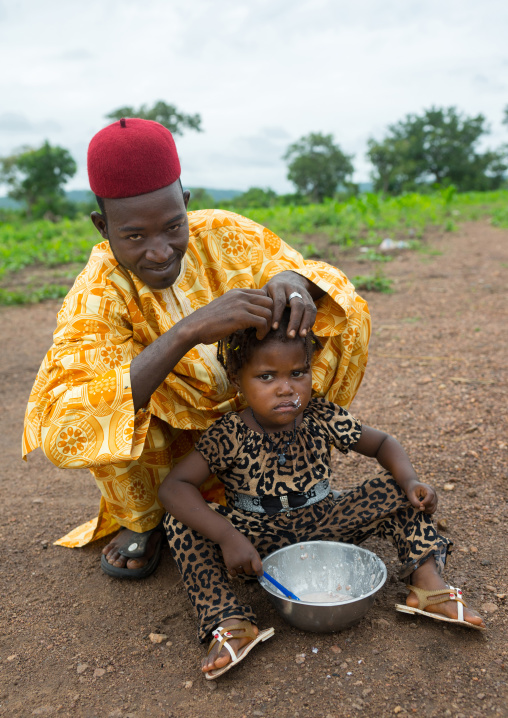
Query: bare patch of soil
point(75, 642)
point(38, 276)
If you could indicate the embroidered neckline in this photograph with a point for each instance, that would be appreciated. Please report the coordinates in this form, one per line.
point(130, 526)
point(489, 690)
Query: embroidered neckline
point(282, 446)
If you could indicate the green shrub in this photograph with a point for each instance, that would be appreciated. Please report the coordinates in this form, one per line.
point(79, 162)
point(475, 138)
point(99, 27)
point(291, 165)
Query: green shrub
point(32, 296)
point(373, 283)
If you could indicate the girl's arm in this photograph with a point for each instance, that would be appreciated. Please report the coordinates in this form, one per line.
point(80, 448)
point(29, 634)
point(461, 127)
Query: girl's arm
point(392, 457)
point(179, 494)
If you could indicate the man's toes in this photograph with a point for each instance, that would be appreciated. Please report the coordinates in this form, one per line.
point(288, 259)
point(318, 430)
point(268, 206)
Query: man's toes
point(112, 556)
point(136, 562)
point(108, 549)
point(117, 560)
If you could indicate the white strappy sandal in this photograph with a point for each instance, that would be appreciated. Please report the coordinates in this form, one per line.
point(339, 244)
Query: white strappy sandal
point(221, 635)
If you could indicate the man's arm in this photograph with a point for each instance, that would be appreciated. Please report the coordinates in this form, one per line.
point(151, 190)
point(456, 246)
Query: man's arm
point(237, 309)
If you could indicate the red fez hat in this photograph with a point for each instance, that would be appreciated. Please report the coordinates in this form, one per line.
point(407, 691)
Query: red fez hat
point(132, 157)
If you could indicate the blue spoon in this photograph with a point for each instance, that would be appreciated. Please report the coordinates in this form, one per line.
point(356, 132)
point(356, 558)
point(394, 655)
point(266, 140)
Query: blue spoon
point(281, 588)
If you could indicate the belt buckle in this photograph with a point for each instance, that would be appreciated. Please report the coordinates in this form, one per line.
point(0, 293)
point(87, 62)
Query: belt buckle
point(284, 502)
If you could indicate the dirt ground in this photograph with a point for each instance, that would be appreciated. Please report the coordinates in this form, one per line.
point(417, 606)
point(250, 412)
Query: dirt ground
point(75, 642)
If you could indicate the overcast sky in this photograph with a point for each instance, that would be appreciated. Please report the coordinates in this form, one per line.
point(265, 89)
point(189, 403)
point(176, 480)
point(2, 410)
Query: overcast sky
point(261, 73)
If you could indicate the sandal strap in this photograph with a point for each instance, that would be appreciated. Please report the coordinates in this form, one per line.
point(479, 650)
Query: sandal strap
point(460, 602)
point(222, 635)
point(441, 595)
point(135, 546)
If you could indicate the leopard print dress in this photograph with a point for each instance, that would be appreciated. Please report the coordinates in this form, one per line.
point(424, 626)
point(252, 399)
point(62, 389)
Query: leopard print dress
point(245, 461)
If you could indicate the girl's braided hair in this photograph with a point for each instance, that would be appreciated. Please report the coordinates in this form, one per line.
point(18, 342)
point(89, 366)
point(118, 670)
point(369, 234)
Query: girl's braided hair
point(236, 349)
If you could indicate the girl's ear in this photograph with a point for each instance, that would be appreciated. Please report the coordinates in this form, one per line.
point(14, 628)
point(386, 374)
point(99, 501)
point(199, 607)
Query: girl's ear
point(235, 380)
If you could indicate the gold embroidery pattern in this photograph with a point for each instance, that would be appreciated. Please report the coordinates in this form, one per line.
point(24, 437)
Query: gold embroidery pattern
point(80, 410)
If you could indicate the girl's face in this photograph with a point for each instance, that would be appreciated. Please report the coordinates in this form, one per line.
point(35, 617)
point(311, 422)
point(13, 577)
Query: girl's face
point(276, 384)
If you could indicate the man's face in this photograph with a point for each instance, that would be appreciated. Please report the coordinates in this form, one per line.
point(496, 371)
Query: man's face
point(148, 234)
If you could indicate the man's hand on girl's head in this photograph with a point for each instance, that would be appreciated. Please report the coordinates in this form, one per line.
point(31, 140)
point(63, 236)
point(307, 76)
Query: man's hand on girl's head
point(303, 309)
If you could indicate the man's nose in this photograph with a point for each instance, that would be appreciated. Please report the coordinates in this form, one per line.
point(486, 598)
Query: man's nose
point(160, 250)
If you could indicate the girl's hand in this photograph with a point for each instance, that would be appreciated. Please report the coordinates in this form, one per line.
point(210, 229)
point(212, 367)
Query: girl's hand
point(423, 497)
point(240, 556)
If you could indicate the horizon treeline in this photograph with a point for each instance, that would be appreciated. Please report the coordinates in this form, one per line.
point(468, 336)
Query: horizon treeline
point(436, 149)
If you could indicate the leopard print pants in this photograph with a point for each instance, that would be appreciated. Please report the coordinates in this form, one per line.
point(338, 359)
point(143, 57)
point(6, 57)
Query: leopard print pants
point(376, 508)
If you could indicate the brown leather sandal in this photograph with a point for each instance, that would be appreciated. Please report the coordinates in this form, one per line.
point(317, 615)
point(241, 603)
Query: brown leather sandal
point(428, 598)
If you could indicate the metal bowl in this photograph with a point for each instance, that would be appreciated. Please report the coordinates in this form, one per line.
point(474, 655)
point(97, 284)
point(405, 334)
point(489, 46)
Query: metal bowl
point(350, 575)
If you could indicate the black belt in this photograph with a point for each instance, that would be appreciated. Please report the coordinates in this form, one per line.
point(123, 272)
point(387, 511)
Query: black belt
point(272, 505)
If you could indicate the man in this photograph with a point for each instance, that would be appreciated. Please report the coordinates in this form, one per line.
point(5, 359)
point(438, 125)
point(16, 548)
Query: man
point(132, 378)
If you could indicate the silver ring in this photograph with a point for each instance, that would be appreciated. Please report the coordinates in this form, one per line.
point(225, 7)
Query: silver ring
point(293, 295)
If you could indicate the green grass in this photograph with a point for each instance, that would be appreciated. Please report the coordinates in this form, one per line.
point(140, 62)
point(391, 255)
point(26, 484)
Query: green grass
point(25, 244)
point(373, 283)
point(500, 216)
point(450, 225)
point(372, 256)
point(369, 218)
point(30, 295)
point(359, 221)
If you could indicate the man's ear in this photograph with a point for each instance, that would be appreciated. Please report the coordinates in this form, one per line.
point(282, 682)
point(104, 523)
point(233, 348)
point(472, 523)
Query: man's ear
point(186, 198)
point(100, 224)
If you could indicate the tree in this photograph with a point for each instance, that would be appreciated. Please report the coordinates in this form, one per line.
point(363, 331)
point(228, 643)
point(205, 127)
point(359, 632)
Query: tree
point(200, 199)
point(255, 197)
point(505, 118)
point(392, 173)
point(317, 166)
point(161, 112)
point(36, 178)
point(438, 147)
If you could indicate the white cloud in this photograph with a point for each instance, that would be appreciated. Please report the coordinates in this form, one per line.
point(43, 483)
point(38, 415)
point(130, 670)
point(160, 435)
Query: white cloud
point(74, 55)
point(20, 124)
point(260, 72)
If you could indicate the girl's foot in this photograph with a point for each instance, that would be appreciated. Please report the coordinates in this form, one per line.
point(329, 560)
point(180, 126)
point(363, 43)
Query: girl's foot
point(428, 578)
point(215, 659)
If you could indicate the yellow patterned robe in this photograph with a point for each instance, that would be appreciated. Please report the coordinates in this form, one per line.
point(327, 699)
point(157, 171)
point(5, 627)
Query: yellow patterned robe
point(80, 410)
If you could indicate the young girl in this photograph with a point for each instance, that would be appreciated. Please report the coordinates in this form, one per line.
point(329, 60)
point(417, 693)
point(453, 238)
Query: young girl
point(274, 460)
